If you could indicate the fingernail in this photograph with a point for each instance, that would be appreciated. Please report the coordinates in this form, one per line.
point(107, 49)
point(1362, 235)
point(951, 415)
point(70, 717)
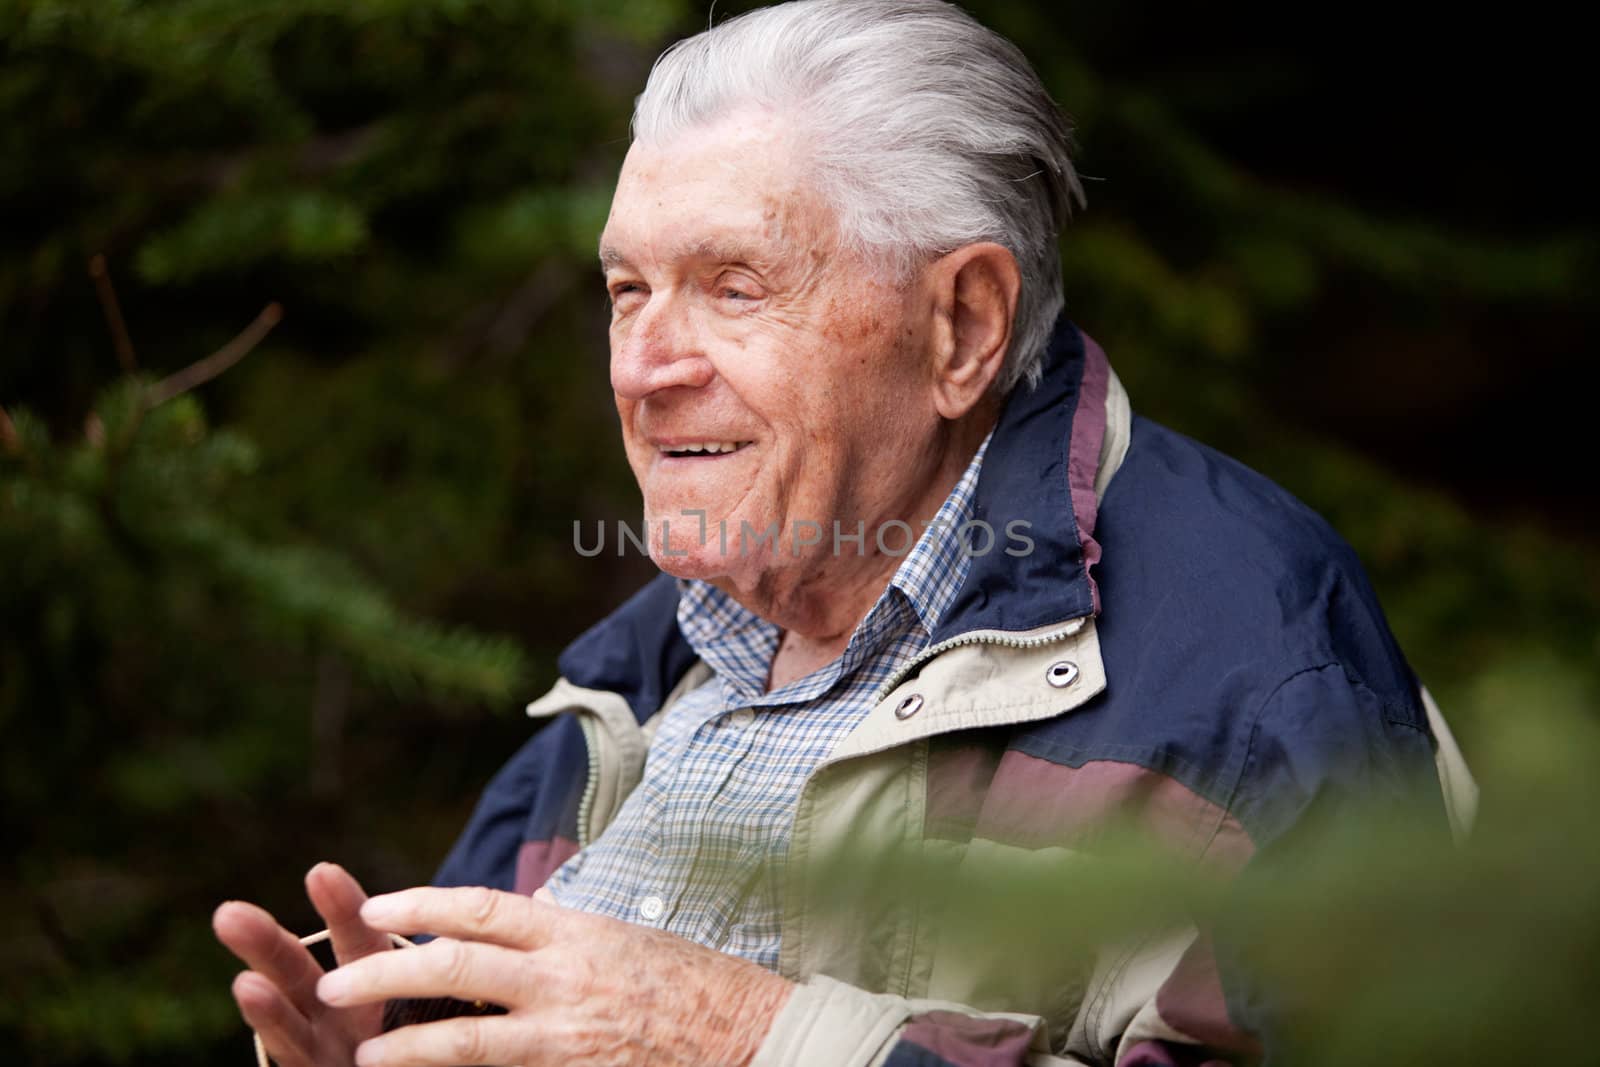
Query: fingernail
point(378, 909)
point(333, 987)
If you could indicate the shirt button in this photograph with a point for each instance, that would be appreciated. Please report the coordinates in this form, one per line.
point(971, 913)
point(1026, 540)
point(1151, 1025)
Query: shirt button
point(742, 718)
point(652, 908)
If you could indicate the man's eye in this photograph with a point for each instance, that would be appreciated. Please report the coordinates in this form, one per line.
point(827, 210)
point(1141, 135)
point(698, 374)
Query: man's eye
point(734, 287)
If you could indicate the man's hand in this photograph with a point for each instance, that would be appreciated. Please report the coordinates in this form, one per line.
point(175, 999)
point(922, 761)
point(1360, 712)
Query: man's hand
point(577, 988)
point(278, 995)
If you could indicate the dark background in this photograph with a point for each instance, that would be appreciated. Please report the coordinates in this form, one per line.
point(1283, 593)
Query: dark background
point(292, 613)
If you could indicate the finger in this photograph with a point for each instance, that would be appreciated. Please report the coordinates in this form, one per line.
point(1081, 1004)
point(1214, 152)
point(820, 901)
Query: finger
point(471, 912)
point(267, 948)
point(338, 898)
point(445, 967)
point(482, 1040)
point(284, 1032)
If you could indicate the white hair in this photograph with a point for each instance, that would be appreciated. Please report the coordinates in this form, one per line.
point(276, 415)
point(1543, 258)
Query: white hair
point(925, 131)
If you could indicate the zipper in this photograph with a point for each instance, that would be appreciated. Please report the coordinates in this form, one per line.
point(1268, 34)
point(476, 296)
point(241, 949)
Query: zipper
point(591, 785)
point(1002, 638)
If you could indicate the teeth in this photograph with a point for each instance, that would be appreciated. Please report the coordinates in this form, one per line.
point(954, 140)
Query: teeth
point(714, 448)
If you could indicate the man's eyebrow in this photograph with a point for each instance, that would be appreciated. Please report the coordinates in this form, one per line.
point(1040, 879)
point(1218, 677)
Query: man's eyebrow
point(719, 249)
point(708, 248)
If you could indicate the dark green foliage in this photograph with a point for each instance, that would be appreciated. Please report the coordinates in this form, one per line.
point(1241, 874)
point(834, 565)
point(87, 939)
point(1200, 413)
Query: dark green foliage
point(156, 653)
point(289, 614)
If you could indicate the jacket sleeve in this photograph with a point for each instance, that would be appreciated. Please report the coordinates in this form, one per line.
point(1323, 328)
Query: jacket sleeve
point(829, 1022)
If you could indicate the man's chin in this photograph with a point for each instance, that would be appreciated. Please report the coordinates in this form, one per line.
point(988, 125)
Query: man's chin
point(689, 559)
point(685, 554)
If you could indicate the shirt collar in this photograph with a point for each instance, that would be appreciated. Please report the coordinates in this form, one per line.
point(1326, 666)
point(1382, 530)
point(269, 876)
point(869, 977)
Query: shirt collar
point(930, 576)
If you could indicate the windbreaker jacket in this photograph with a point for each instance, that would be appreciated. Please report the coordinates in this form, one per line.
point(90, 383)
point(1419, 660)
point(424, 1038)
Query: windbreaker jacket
point(1186, 648)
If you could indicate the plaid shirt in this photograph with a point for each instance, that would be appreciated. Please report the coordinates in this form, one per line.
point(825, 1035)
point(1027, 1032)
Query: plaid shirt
point(698, 848)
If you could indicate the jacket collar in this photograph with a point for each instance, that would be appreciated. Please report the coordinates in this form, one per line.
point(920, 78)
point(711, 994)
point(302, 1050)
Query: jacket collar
point(1052, 449)
point(1027, 485)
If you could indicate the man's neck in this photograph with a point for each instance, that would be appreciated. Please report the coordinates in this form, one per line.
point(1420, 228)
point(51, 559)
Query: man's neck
point(821, 610)
point(798, 656)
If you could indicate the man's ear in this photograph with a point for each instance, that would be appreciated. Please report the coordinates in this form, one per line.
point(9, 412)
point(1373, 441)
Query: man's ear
point(975, 290)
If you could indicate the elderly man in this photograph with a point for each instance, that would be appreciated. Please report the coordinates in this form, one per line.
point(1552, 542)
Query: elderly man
point(930, 587)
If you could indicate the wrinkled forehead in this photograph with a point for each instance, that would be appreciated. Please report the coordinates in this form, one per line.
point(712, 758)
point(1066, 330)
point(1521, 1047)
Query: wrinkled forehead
point(732, 189)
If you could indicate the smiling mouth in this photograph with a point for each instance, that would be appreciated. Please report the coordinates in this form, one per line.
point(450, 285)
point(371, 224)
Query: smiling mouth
point(704, 449)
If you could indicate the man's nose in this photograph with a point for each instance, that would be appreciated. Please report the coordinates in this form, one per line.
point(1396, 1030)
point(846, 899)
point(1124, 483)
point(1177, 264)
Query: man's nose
point(660, 348)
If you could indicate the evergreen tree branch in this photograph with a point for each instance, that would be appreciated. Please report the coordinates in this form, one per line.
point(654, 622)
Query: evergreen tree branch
point(316, 157)
point(308, 590)
point(198, 373)
point(113, 312)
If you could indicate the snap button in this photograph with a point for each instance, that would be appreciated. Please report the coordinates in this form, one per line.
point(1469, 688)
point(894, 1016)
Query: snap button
point(909, 706)
point(1062, 673)
point(652, 908)
point(742, 718)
